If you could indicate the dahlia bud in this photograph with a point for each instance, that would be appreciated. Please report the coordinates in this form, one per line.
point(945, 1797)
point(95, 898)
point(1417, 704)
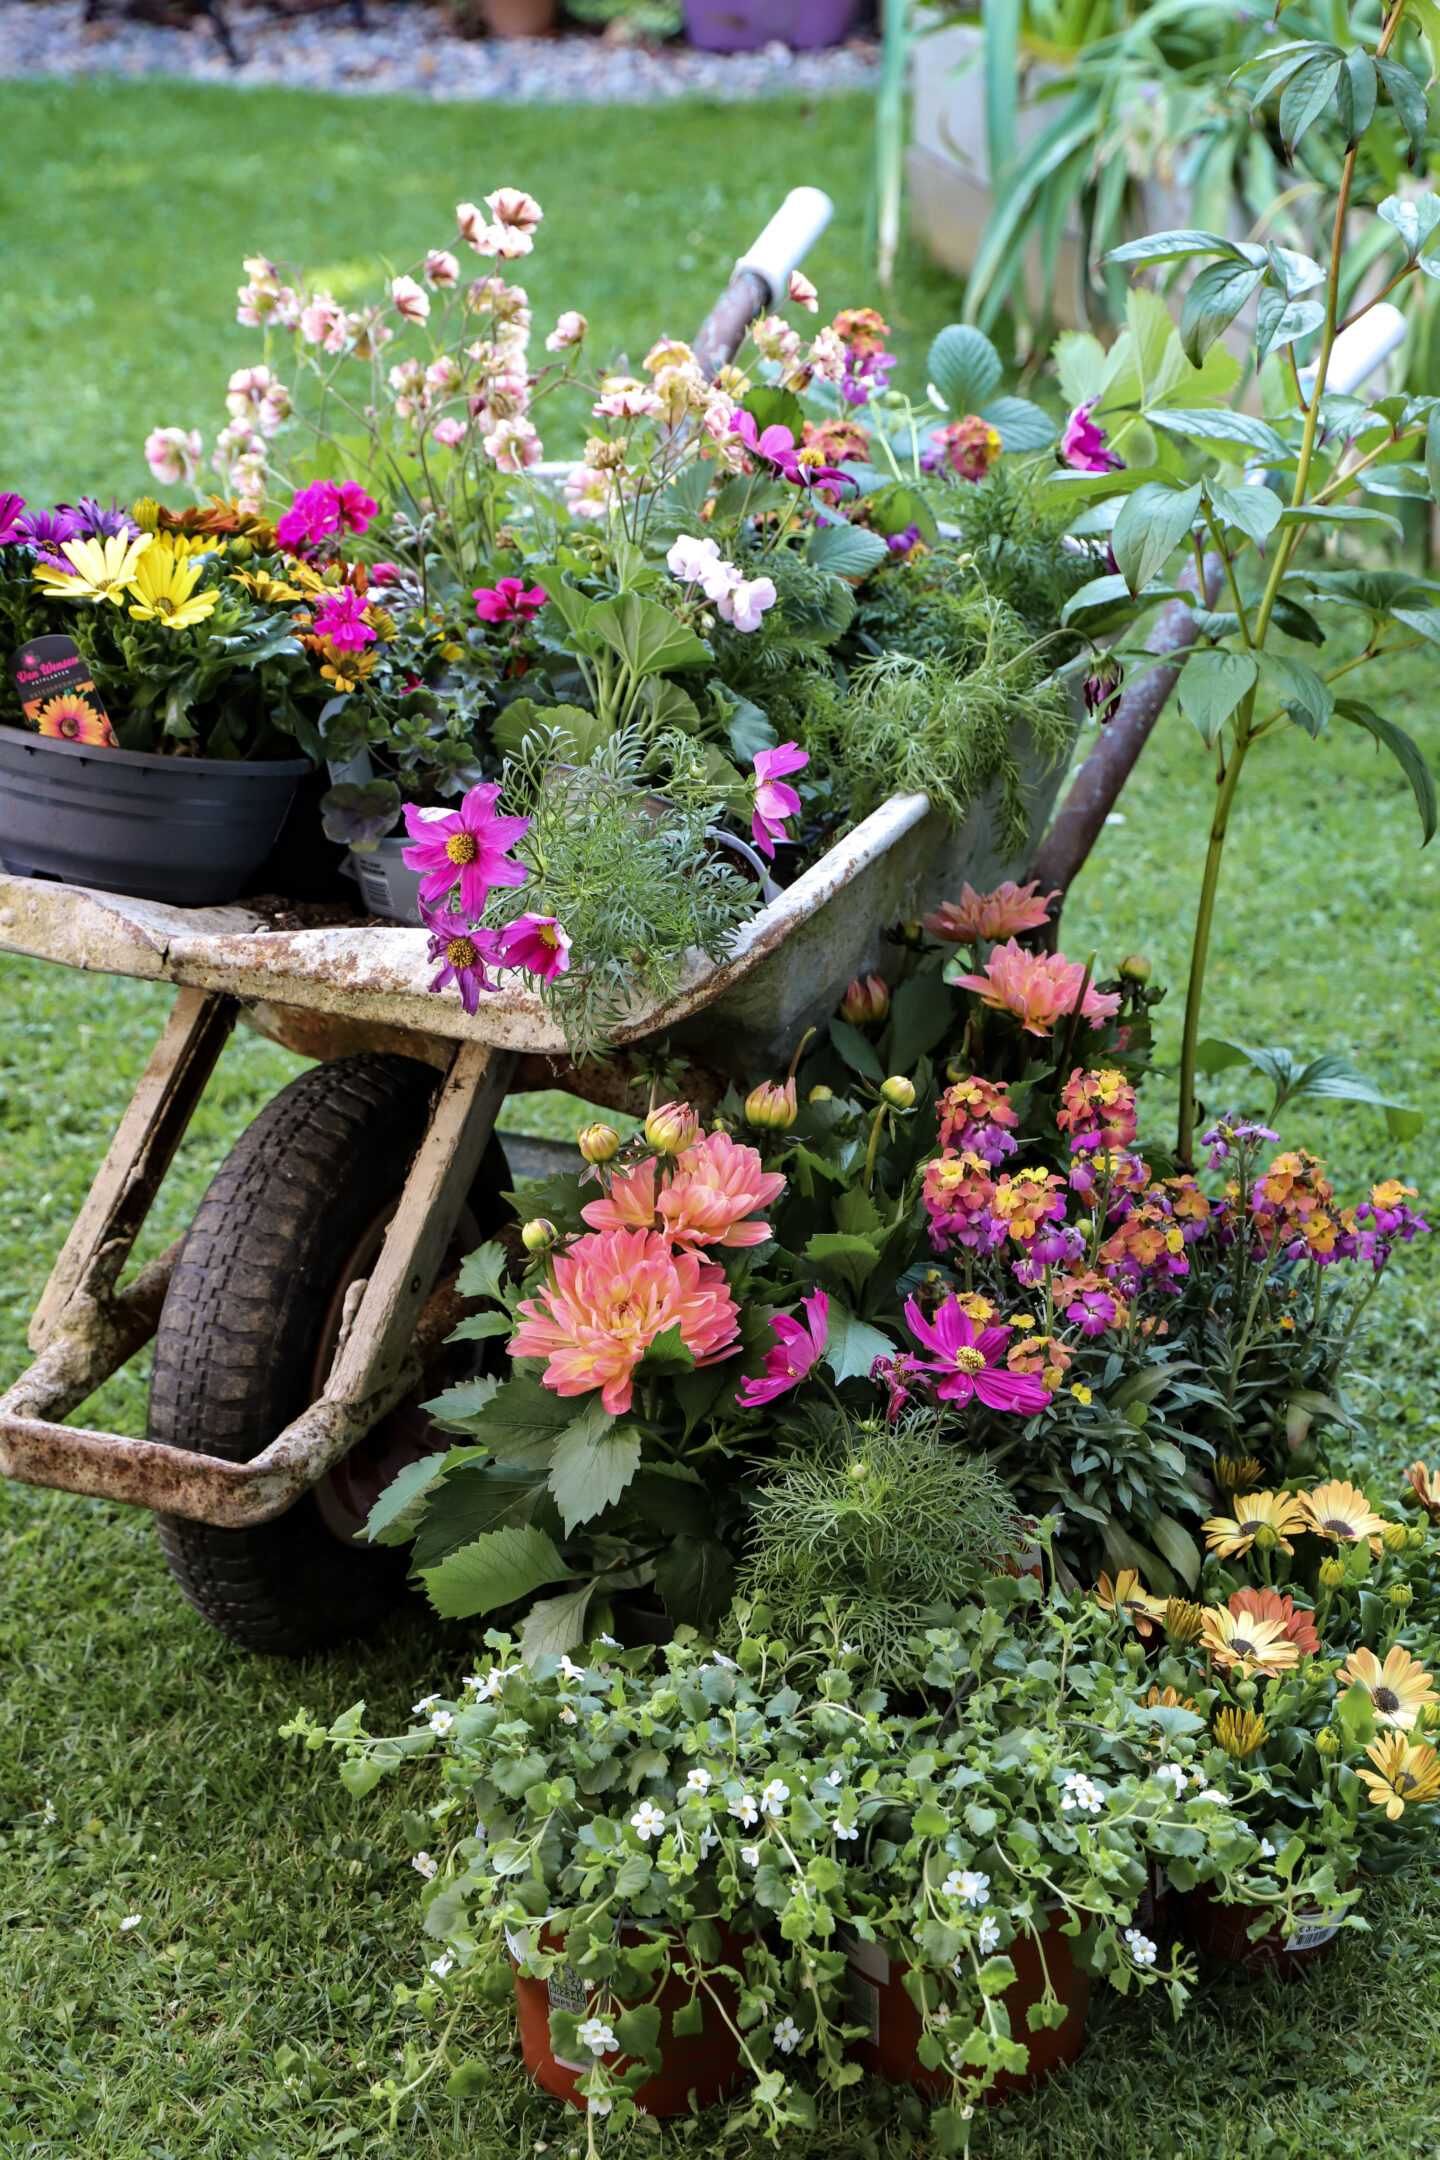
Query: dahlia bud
point(771, 1106)
point(1135, 968)
point(672, 1127)
point(866, 1004)
point(539, 1235)
point(598, 1143)
point(1401, 1594)
point(824, 1094)
point(1332, 1574)
point(1328, 1741)
point(898, 1092)
point(1396, 1536)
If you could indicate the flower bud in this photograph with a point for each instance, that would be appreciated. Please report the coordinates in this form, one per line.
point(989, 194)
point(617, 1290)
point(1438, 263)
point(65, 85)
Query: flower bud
point(1415, 1538)
point(1134, 968)
point(1085, 1224)
point(539, 1235)
point(1101, 688)
point(1332, 1574)
point(1396, 1536)
point(771, 1106)
point(1134, 1654)
point(898, 1092)
point(1328, 1741)
point(598, 1143)
point(824, 1094)
point(1246, 1692)
point(857, 1471)
point(672, 1127)
point(1401, 1594)
point(1267, 1537)
point(866, 1004)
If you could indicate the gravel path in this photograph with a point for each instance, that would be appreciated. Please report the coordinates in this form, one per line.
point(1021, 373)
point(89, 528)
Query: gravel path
point(408, 49)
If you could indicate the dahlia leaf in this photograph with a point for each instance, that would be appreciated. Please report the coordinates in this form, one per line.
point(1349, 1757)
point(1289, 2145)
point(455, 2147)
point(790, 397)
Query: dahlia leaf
point(498, 1569)
point(591, 1467)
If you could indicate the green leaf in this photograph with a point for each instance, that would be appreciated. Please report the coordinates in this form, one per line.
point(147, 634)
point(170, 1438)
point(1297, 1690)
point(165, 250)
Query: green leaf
point(856, 1051)
point(525, 718)
point(1151, 526)
point(672, 1499)
point(591, 1466)
point(480, 1327)
point(461, 1407)
point(1173, 247)
point(1406, 753)
point(1408, 99)
point(1306, 696)
point(1289, 616)
point(1355, 1714)
point(1280, 322)
point(482, 1273)
point(478, 1498)
point(555, 1625)
point(638, 2032)
point(1432, 451)
point(696, 1580)
point(1309, 90)
point(1211, 687)
point(668, 1353)
point(1355, 88)
point(1178, 1547)
point(1340, 514)
point(498, 1569)
point(770, 406)
point(845, 550)
point(1019, 424)
point(647, 636)
point(1255, 511)
point(1212, 303)
point(1222, 426)
point(964, 367)
point(359, 817)
point(852, 1346)
point(919, 1015)
point(399, 1507)
point(891, 508)
point(469, 2078)
point(518, 1420)
point(1098, 604)
point(852, 1259)
point(1413, 217)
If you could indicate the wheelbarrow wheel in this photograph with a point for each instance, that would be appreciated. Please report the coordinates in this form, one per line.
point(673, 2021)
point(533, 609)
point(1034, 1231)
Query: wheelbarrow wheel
point(294, 1215)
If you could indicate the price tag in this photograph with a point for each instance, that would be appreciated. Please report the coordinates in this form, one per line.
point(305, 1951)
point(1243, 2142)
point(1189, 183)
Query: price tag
point(57, 694)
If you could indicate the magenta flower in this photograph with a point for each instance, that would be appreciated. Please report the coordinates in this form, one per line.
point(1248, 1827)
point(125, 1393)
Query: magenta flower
point(775, 446)
point(464, 955)
point(353, 506)
point(470, 844)
point(10, 509)
point(1082, 446)
point(968, 1362)
point(322, 509)
point(341, 619)
point(795, 1353)
point(536, 943)
point(1095, 1310)
point(774, 802)
point(508, 601)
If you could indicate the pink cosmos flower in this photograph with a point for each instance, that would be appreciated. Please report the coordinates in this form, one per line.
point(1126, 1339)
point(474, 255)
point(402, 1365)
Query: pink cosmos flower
point(718, 1184)
point(568, 331)
point(464, 956)
point(10, 509)
point(968, 1361)
point(536, 943)
point(1082, 445)
point(441, 269)
point(412, 300)
point(803, 293)
point(341, 619)
point(448, 432)
point(509, 601)
point(1038, 988)
point(470, 844)
point(610, 1296)
point(172, 456)
point(1003, 913)
point(774, 801)
point(798, 1348)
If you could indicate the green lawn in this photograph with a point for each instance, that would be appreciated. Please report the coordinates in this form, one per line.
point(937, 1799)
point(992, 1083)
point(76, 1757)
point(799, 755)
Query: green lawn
point(251, 2012)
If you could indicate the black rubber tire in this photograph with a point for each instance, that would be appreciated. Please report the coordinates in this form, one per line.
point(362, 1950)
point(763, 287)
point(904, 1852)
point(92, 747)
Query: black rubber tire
point(240, 1333)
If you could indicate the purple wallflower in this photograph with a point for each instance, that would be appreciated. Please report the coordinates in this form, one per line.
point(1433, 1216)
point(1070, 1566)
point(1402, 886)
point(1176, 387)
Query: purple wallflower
point(865, 373)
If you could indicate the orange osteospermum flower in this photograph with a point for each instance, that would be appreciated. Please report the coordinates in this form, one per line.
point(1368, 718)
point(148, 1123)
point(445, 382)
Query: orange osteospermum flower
point(1297, 1622)
point(718, 1183)
point(1425, 1484)
point(1128, 1597)
point(1256, 1513)
point(1040, 989)
point(610, 1296)
point(1398, 1689)
point(992, 916)
point(1242, 1643)
point(1340, 1513)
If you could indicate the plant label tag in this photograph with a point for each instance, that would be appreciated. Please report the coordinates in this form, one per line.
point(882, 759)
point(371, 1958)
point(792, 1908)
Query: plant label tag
point(567, 1990)
point(58, 695)
point(1311, 1930)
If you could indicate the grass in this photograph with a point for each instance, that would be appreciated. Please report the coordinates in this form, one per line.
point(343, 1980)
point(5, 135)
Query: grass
point(251, 2011)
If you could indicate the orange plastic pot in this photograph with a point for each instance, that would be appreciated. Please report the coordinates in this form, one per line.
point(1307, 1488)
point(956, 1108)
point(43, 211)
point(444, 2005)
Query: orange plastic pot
point(878, 2001)
point(706, 2063)
point(1222, 1932)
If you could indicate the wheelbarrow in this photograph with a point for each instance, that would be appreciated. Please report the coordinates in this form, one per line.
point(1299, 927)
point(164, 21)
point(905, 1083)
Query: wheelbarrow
point(304, 1315)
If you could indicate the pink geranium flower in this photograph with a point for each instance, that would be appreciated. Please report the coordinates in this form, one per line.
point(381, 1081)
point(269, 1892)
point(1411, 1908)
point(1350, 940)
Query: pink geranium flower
point(774, 801)
point(322, 509)
point(796, 1352)
point(538, 944)
point(609, 1298)
point(1003, 913)
point(774, 446)
point(464, 955)
point(341, 618)
point(470, 844)
point(508, 601)
point(969, 1362)
point(1082, 445)
point(718, 1183)
point(1038, 988)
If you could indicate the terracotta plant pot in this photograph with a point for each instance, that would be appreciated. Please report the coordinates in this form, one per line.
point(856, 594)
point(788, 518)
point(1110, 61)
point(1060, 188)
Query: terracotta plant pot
point(878, 2001)
point(517, 18)
point(1222, 1932)
point(707, 2063)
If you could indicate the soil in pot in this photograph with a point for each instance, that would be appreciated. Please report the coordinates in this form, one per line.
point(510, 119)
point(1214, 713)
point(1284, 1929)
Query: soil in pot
point(1222, 1931)
point(184, 830)
point(879, 2003)
point(706, 2063)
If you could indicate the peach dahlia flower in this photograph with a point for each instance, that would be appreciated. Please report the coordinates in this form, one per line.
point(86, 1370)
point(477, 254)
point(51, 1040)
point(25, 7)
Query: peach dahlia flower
point(1040, 989)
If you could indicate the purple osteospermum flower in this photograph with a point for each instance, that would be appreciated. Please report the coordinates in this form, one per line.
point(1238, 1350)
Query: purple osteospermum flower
point(93, 523)
point(1082, 445)
point(44, 530)
point(798, 1348)
point(464, 955)
point(969, 1363)
point(470, 844)
point(10, 509)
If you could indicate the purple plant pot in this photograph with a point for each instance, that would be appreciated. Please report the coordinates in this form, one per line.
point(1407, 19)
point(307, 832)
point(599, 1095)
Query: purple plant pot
point(730, 26)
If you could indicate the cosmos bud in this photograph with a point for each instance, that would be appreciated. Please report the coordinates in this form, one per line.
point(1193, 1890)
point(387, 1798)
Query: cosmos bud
point(1135, 968)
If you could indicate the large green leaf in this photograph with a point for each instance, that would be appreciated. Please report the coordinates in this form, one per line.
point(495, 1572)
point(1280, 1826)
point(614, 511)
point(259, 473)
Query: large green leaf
point(695, 1577)
point(852, 1259)
point(846, 550)
point(1019, 424)
point(1151, 526)
point(592, 1464)
point(964, 367)
point(770, 406)
point(393, 1519)
point(1255, 511)
point(478, 1497)
point(1306, 95)
point(1173, 247)
point(1306, 696)
point(645, 635)
point(920, 1012)
point(556, 1624)
point(498, 1569)
point(1213, 302)
point(1406, 753)
point(852, 1346)
point(1212, 686)
point(1223, 426)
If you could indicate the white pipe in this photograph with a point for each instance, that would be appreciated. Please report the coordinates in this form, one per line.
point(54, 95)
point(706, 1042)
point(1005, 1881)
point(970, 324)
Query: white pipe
point(1358, 351)
point(788, 239)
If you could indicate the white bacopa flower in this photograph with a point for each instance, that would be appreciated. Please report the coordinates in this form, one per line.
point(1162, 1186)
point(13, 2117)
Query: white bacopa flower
point(442, 1966)
point(709, 1839)
point(49, 1815)
point(611, 1642)
point(487, 1685)
point(1141, 1948)
point(967, 2113)
point(1083, 1793)
point(835, 1777)
point(989, 1936)
point(774, 1796)
point(424, 1865)
point(728, 1663)
point(1267, 1850)
point(648, 1821)
point(425, 1704)
point(750, 1854)
point(441, 1721)
point(847, 1830)
point(569, 1670)
point(567, 1715)
point(596, 2035)
point(598, 2107)
point(971, 1888)
point(848, 1649)
point(1222, 1798)
point(745, 1809)
point(699, 1781)
point(788, 2036)
point(1174, 1771)
point(131, 1920)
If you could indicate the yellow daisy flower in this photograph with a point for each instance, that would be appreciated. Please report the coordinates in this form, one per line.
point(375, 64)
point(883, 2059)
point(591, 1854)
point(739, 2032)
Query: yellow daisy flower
point(164, 586)
point(101, 569)
point(1398, 1689)
point(1342, 1514)
point(1403, 1774)
point(1240, 1732)
point(1237, 1473)
point(1246, 1644)
point(1183, 1621)
point(1128, 1597)
point(1265, 1518)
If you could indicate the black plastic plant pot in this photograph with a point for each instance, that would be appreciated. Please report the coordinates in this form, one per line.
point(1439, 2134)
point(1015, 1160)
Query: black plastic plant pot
point(186, 830)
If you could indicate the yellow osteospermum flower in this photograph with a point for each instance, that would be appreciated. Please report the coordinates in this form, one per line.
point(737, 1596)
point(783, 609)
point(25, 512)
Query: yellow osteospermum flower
point(1340, 1512)
point(1402, 1774)
point(101, 568)
point(1240, 1732)
point(164, 585)
point(1128, 1597)
point(1246, 1644)
point(1237, 1473)
point(1266, 1517)
point(1397, 1689)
